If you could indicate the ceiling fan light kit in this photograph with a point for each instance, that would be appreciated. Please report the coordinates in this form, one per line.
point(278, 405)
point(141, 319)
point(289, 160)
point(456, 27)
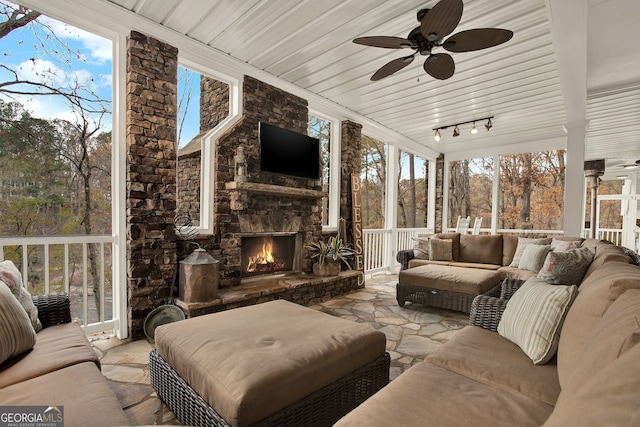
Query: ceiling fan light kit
point(456, 130)
point(435, 24)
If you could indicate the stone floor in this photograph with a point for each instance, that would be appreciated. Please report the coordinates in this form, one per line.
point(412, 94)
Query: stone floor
point(412, 333)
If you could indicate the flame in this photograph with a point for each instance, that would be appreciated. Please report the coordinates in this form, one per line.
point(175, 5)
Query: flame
point(264, 256)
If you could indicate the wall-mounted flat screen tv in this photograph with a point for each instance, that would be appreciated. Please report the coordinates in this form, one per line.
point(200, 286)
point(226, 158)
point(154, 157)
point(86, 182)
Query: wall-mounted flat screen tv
point(288, 153)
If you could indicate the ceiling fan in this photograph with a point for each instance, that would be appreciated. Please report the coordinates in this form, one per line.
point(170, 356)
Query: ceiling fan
point(435, 24)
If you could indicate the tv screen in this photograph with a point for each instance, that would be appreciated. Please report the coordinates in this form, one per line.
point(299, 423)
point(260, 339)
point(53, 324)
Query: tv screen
point(288, 153)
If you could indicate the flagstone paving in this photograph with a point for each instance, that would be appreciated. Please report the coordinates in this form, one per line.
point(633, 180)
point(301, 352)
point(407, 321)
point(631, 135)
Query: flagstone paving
point(412, 332)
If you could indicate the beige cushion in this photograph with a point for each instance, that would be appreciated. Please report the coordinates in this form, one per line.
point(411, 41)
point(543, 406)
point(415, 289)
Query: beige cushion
point(488, 358)
point(418, 262)
point(596, 294)
point(533, 318)
point(82, 391)
point(473, 265)
point(473, 281)
point(16, 333)
point(10, 275)
point(533, 257)
point(604, 252)
point(617, 332)
point(481, 249)
point(608, 397)
point(566, 268)
point(429, 395)
point(56, 347)
point(523, 242)
point(440, 249)
point(251, 362)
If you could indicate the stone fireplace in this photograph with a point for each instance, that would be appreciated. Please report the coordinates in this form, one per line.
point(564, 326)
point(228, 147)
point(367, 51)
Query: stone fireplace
point(269, 255)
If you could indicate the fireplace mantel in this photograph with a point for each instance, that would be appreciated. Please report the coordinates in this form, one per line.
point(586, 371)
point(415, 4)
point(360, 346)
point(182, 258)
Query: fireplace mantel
point(279, 190)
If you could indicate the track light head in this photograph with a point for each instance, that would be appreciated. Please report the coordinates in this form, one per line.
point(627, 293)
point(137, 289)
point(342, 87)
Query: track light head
point(437, 137)
point(488, 126)
point(474, 130)
point(456, 132)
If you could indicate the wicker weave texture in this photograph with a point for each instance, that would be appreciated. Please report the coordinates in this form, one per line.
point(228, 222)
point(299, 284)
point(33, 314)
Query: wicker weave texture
point(439, 298)
point(53, 309)
point(322, 408)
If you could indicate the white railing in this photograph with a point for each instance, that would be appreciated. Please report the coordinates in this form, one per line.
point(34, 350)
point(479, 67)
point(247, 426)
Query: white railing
point(61, 264)
point(613, 235)
point(376, 248)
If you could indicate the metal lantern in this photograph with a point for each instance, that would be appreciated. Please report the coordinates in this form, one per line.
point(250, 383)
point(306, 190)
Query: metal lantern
point(198, 277)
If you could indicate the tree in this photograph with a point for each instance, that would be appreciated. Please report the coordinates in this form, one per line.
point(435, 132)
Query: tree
point(374, 178)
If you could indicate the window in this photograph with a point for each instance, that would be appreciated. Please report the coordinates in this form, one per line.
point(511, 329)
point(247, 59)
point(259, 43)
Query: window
point(532, 190)
point(374, 179)
point(321, 129)
point(470, 190)
point(413, 190)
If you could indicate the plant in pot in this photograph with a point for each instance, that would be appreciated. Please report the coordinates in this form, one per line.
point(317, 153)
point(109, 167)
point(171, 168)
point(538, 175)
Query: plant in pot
point(329, 255)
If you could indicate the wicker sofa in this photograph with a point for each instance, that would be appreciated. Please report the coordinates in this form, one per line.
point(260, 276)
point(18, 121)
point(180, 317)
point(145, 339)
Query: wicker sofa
point(476, 265)
point(61, 370)
point(482, 378)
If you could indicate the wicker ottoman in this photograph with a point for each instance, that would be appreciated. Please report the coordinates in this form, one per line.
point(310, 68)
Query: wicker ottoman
point(444, 286)
point(275, 363)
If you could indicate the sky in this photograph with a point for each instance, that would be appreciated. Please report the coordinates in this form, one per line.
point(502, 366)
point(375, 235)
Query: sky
point(36, 56)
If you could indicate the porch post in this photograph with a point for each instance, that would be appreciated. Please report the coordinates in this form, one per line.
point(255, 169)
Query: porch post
point(574, 187)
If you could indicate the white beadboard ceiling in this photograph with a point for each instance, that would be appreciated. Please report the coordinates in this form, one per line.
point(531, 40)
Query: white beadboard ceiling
point(568, 61)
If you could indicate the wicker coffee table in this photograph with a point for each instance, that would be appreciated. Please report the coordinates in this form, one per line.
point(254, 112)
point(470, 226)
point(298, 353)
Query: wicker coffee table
point(275, 363)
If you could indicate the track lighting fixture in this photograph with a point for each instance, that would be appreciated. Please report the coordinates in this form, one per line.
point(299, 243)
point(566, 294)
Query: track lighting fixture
point(488, 125)
point(456, 130)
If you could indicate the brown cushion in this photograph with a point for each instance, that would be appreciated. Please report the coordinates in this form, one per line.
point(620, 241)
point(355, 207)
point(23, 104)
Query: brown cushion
point(509, 245)
point(82, 391)
point(418, 262)
point(455, 239)
point(608, 397)
point(481, 249)
point(516, 273)
point(251, 362)
point(596, 293)
point(56, 347)
point(605, 252)
point(430, 395)
point(474, 265)
point(487, 357)
point(472, 281)
point(440, 249)
point(617, 332)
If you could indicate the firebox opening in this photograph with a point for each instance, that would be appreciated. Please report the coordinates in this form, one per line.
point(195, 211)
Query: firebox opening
point(269, 254)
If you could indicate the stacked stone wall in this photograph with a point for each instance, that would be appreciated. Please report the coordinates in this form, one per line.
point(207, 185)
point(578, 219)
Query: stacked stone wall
point(151, 175)
point(351, 162)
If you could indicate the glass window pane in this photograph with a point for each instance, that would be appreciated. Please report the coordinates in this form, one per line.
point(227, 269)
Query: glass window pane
point(412, 190)
point(470, 190)
point(374, 178)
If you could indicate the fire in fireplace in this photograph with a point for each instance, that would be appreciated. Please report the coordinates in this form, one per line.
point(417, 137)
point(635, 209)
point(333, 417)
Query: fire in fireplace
point(269, 254)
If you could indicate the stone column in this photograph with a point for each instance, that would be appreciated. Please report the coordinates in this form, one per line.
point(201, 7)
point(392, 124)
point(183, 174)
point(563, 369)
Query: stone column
point(151, 175)
point(351, 162)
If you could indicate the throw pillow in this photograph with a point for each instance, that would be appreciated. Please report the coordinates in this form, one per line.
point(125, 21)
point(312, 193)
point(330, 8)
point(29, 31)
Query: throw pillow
point(533, 318)
point(421, 246)
point(440, 249)
point(10, 275)
point(16, 333)
point(533, 257)
point(558, 245)
point(566, 268)
point(523, 242)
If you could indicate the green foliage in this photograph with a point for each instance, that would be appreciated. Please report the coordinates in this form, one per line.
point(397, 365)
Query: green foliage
point(333, 249)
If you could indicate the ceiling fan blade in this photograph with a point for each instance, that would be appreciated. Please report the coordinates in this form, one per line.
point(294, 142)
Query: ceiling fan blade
point(441, 20)
point(440, 66)
point(392, 67)
point(386, 42)
point(479, 38)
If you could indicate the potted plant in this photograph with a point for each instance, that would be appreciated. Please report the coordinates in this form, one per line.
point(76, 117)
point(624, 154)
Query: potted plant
point(329, 254)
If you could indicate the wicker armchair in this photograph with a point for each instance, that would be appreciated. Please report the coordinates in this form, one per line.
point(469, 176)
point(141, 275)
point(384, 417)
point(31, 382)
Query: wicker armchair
point(53, 309)
point(486, 310)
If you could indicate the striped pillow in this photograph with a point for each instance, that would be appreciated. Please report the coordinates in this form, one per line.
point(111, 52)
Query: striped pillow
point(533, 318)
point(440, 249)
point(16, 333)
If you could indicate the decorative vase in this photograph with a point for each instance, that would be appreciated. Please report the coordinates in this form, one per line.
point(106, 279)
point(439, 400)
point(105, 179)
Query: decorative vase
point(328, 268)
